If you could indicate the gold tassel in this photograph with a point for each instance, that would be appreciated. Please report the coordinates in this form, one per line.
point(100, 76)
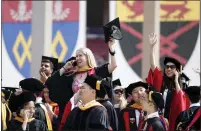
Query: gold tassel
point(3, 109)
point(2, 94)
point(150, 93)
point(98, 85)
point(180, 68)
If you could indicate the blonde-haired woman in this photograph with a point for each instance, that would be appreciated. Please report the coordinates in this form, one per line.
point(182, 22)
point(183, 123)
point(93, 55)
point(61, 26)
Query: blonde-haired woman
point(64, 83)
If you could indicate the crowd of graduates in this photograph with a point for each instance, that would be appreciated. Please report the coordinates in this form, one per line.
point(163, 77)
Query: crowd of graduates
point(78, 95)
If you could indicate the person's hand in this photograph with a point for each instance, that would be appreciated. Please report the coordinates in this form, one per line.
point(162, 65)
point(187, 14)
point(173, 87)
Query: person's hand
point(176, 76)
point(152, 39)
point(69, 65)
point(43, 76)
point(25, 114)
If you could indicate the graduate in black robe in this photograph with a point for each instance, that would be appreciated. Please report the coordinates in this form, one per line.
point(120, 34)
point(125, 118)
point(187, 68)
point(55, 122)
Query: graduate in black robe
point(6, 114)
point(185, 117)
point(91, 115)
point(152, 102)
point(25, 121)
point(35, 86)
point(132, 116)
point(60, 86)
point(104, 99)
point(120, 101)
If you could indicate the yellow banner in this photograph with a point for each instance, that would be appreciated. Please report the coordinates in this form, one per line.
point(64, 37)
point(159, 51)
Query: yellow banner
point(132, 11)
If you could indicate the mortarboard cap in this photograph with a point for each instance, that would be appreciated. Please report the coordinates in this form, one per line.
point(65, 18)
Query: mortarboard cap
point(17, 101)
point(132, 86)
point(184, 77)
point(184, 80)
point(116, 82)
point(158, 99)
point(60, 65)
point(8, 91)
point(32, 85)
point(101, 86)
point(174, 61)
point(193, 91)
point(112, 29)
point(53, 60)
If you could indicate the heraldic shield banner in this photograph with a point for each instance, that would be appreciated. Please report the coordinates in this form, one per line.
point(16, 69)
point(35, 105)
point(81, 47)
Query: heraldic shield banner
point(17, 39)
point(179, 32)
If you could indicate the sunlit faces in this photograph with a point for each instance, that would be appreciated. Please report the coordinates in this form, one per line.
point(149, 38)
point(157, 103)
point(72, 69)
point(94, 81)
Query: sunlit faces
point(46, 68)
point(30, 106)
point(137, 93)
point(81, 59)
point(170, 68)
point(86, 93)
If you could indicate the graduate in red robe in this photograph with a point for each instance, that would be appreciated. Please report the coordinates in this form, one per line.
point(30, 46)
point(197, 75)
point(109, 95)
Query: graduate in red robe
point(168, 83)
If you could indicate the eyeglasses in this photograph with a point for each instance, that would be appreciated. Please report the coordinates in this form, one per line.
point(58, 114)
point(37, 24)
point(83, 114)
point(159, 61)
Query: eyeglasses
point(118, 91)
point(170, 66)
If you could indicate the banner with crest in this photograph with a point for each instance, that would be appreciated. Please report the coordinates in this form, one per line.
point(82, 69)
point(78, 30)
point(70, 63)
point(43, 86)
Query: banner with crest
point(179, 37)
point(68, 34)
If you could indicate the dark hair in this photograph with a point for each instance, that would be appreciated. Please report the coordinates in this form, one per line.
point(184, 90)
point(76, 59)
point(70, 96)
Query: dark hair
point(169, 82)
point(48, 61)
point(194, 99)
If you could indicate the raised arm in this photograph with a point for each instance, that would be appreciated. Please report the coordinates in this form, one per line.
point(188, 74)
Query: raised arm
point(152, 41)
point(112, 64)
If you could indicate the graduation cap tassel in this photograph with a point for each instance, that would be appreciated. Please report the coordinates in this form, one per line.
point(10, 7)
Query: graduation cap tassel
point(150, 93)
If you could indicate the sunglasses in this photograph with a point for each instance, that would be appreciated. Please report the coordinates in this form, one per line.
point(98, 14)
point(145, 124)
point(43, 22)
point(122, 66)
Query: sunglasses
point(170, 66)
point(118, 91)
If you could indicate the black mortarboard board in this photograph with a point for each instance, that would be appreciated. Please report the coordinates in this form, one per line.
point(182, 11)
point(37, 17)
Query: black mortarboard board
point(32, 85)
point(60, 65)
point(193, 91)
point(53, 60)
point(116, 82)
point(174, 61)
point(101, 86)
point(112, 29)
point(185, 77)
point(8, 91)
point(158, 99)
point(184, 80)
point(17, 101)
point(132, 86)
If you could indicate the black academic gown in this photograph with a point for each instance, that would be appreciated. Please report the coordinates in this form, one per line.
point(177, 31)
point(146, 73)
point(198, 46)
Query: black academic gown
point(92, 119)
point(127, 120)
point(185, 117)
point(40, 114)
point(60, 87)
point(34, 125)
point(168, 101)
point(112, 115)
point(153, 124)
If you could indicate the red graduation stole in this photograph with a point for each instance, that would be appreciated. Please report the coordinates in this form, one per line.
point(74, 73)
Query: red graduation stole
point(197, 115)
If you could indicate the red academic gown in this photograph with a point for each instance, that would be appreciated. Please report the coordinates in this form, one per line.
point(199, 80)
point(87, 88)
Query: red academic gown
point(179, 100)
